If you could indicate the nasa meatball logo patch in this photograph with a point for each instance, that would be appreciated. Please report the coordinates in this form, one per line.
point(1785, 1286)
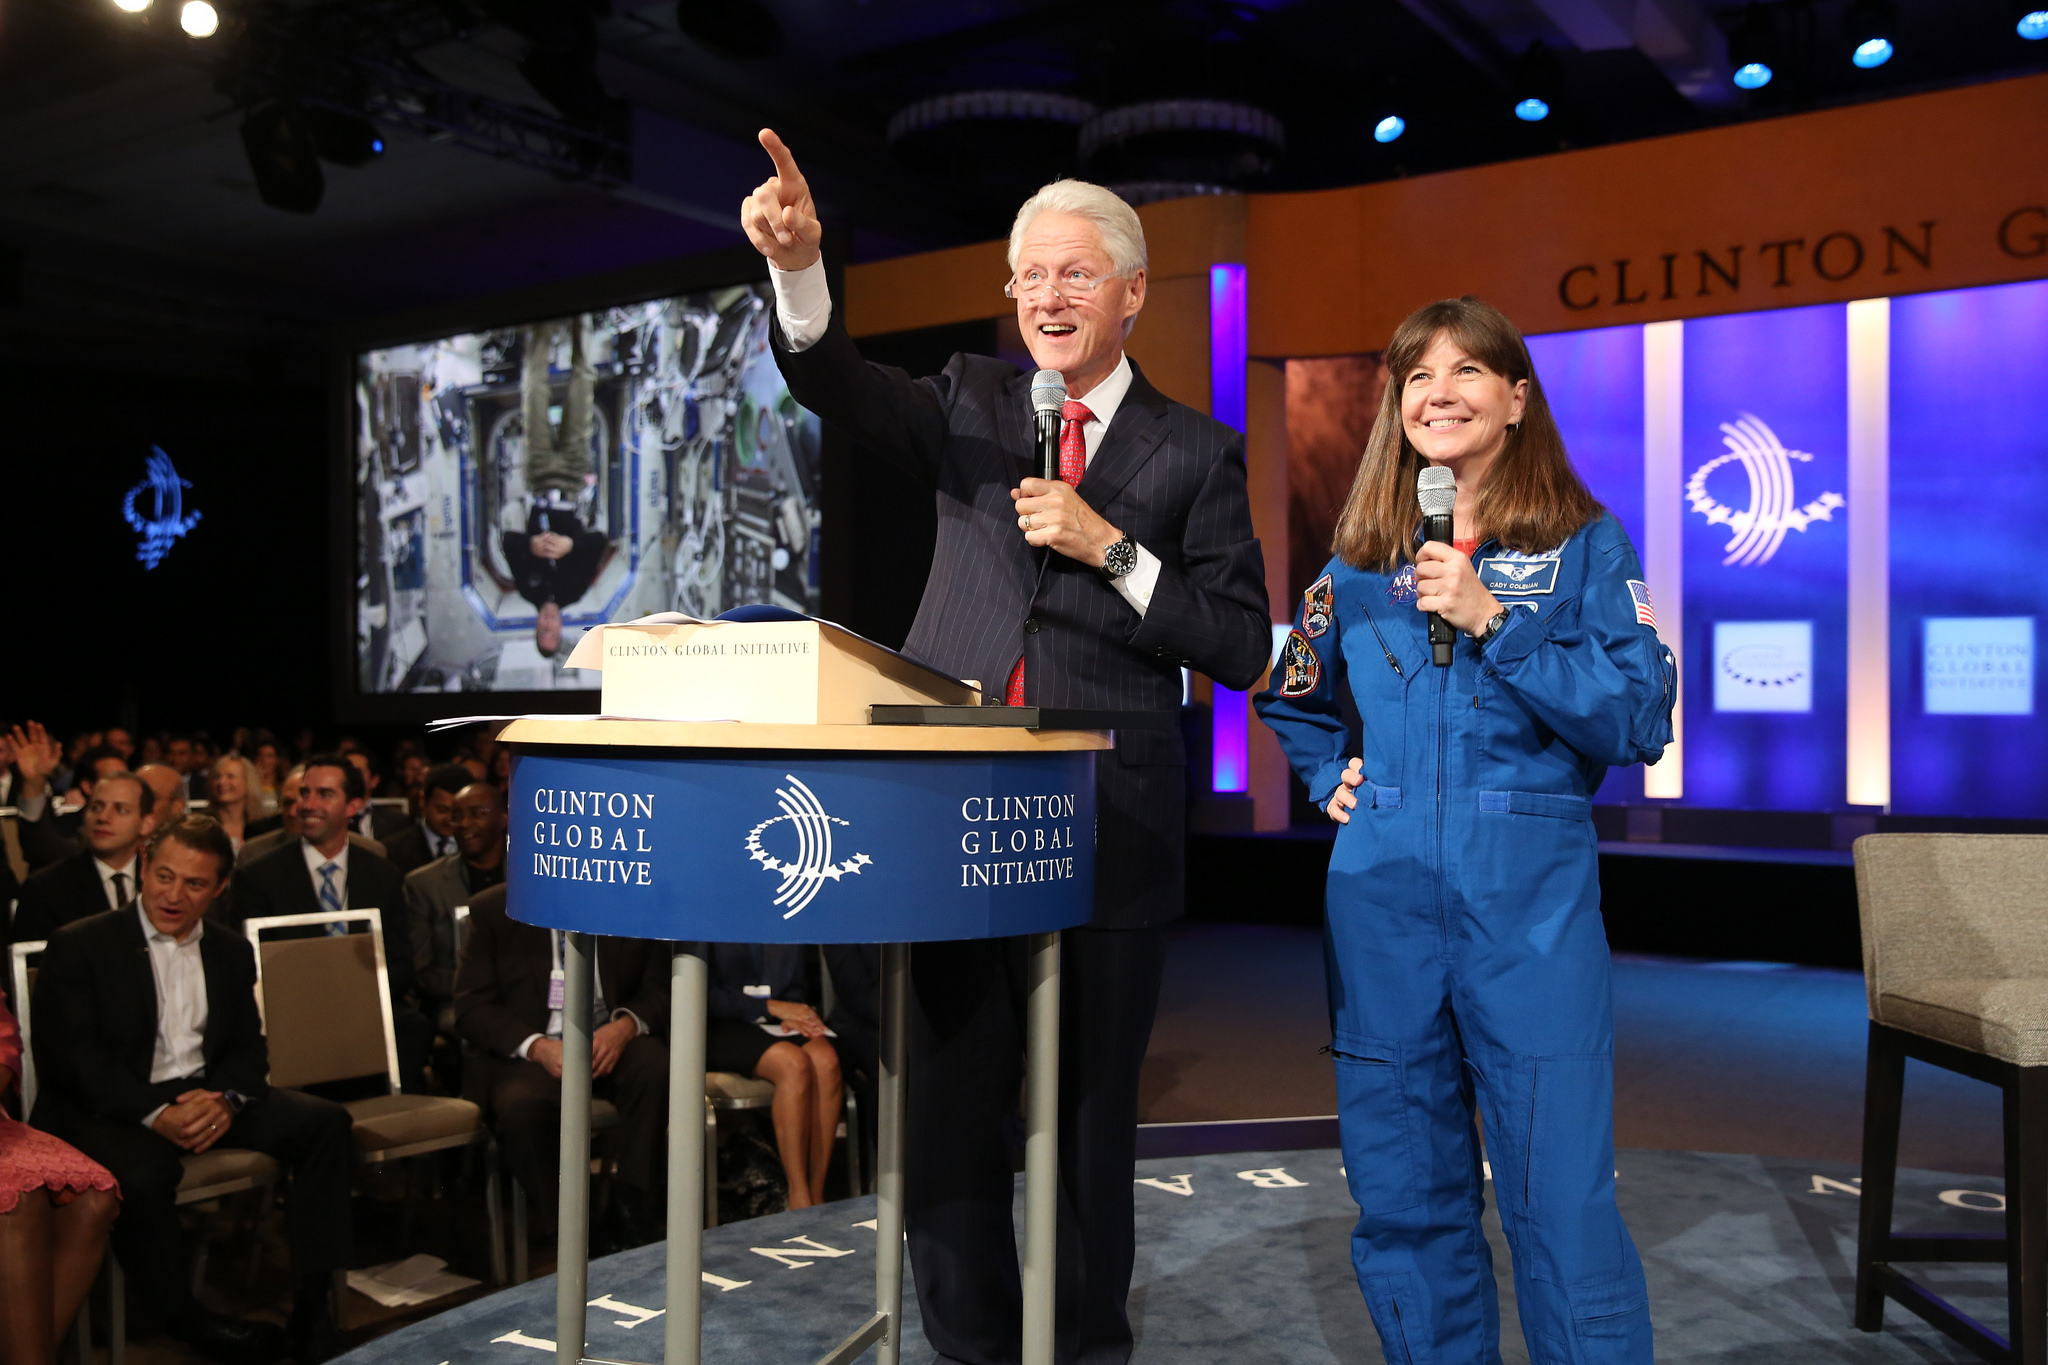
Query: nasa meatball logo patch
point(1402, 589)
point(1300, 670)
point(1318, 605)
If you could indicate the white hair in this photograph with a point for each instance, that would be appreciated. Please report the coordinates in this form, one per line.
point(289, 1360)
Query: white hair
point(1123, 236)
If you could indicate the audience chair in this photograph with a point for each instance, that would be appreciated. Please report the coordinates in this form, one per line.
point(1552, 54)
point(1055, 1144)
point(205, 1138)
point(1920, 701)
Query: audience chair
point(211, 1175)
point(1955, 960)
point(326, 1006)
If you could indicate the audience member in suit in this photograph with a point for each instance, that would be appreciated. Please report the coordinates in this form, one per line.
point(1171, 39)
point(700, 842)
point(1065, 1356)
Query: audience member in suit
point(755, 986)
point(1090, 590)
point(104, 875)
point(433, 892)
point(188, 757)
point(54, 835)
point(283, 828)
point(433, 834)
point(856, 1017)
point(324, 871)
point(501, 1007)
point(373, 821)
point(148, 1046)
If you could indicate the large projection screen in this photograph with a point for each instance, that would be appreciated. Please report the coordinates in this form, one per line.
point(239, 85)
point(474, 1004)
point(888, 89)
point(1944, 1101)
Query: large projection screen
point(673, 473)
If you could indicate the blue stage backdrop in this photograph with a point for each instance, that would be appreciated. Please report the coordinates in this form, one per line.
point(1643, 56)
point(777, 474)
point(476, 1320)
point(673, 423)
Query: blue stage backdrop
point(1766, 400)
point(1969, 485)
point(738, 847)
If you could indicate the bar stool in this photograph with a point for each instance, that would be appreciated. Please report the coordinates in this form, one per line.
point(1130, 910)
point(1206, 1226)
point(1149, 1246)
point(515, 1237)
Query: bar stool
point(1955, 959)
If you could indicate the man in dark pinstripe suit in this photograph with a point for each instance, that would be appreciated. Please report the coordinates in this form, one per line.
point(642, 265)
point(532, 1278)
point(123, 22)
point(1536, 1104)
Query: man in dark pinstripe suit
point(1088, 591)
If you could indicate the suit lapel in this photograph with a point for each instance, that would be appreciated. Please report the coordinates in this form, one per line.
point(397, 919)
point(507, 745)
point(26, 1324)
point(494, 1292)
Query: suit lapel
point(1133, 437)
point(1014, 429)
point(213, 966)
point(133, 985)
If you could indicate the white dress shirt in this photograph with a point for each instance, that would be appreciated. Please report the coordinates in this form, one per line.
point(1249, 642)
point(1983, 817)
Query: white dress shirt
point(180, 1005)
point(107, 874)
point(803, 305)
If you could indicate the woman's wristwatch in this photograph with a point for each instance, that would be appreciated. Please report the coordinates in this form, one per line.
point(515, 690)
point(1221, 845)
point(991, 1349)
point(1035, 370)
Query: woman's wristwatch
point(1492, 627)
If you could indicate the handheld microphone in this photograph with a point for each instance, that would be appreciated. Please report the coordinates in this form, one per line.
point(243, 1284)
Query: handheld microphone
point(1436, 488)
point(1048, 396)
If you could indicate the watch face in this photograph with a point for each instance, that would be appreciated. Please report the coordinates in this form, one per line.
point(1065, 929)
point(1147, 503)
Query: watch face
point(1120, 558)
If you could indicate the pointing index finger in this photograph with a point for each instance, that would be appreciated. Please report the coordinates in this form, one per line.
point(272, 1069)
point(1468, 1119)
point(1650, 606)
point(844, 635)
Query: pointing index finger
point(785, 164)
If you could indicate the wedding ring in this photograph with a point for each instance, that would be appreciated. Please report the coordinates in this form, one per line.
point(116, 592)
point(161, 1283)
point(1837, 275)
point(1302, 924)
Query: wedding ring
point(1030, 521)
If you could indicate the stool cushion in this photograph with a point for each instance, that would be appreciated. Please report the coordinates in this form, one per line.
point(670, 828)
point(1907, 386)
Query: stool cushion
point(222, 1165)
point(2001, 1017)
point(383, 1122)
point(725, 1085)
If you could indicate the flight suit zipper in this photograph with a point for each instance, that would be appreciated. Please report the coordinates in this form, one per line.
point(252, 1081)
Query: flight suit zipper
point(1392, 662)
point(1442, 724)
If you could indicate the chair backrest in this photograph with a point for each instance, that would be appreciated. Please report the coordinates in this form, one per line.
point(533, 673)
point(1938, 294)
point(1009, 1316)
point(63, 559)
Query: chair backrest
point(1951, 905)
point(21, 983)
point(461, 917)
point(325, 999)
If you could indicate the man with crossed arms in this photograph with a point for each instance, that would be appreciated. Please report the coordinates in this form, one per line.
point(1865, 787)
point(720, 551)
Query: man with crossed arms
point(1090, 591)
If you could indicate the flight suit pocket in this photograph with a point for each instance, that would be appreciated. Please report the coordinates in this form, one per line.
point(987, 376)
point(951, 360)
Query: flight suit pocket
point(1612, 1319)
point(1380, 1160)
point(1376, 797)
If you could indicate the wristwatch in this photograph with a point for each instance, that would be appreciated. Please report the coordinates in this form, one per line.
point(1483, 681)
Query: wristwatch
point(1120, 558)
point(1492, 626)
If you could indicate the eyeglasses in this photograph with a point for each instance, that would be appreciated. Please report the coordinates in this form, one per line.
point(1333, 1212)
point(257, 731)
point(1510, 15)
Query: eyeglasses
point(1035, 284)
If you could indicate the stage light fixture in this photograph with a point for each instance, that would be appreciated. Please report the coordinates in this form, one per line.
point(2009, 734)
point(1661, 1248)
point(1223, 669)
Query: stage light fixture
point(1538, 78)
point(199, 19)
point(2033, 25)
point(283, 158)
point(1871, 27)
point(1389, 128)
point(1753, 49)
point(132, 6)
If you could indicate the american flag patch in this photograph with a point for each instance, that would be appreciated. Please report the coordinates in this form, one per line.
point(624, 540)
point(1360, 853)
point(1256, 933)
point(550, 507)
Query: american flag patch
point(1645, 613)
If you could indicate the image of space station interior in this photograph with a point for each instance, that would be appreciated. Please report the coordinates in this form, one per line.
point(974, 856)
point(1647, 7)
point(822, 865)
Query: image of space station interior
point(610, 464)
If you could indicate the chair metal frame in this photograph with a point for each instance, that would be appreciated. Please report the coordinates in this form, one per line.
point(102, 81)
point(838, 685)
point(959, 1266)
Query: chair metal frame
point(480, 1136)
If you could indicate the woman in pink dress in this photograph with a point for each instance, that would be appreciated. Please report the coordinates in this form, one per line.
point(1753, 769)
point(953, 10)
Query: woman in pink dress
point(56, 1208)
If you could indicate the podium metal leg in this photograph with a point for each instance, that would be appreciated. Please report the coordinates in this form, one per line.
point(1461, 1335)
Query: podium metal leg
point(572, 1221)
point(1041, 1145)
point(894, 1049)
point(689, 979)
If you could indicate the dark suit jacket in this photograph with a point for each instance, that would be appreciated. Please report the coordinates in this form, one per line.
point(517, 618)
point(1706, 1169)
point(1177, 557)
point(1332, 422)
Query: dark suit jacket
point(501, 985)
point(431, 895)
point(1168, 477)
point(96, 1019)
point(386, 821)
point(407, 848)
point(62, 893)
point(277, 883)
point(732, 966)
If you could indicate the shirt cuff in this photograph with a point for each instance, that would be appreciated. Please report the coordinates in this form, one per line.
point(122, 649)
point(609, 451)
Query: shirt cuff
point(638, 1022)
point(31, 807)
point(521, 1051)
point(1136, 586)
point(149, 1119)
point(803, 303)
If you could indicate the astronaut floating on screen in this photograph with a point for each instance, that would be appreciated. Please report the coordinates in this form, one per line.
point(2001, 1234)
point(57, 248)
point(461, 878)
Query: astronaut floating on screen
point(555, 558)
point(520, 484)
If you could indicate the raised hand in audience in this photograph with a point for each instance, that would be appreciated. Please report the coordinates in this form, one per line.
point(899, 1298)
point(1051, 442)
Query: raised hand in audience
point(36, 756)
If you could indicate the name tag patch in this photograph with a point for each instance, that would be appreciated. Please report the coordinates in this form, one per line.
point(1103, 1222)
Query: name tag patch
point(1518, 577)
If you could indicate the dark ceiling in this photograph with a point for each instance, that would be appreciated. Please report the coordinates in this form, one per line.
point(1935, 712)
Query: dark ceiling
point(533, 140)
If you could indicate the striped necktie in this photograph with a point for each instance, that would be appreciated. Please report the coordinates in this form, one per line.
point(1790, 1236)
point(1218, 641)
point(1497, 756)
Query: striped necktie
point(330, 896)
point(120, 880)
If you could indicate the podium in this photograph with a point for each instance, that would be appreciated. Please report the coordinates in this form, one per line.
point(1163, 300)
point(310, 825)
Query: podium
point(785, 833)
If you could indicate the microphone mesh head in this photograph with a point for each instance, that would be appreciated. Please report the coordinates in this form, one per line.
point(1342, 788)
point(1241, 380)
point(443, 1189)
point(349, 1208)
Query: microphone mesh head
point(1436, 488)
point(1048, 391)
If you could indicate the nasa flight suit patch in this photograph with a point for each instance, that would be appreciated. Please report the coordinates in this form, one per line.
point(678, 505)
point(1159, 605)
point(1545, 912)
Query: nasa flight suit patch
point(1300, 670)
point(1318, 604)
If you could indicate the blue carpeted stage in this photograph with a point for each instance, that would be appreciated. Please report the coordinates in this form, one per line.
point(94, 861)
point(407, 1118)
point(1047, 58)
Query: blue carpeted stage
point(1244, 1258)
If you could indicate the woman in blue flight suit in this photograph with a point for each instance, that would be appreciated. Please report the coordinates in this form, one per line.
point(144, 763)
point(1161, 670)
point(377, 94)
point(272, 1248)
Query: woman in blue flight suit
point(1467, 959)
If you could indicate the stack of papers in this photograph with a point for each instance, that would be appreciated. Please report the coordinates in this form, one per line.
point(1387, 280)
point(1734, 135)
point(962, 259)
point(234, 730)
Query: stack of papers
point(416, 1279)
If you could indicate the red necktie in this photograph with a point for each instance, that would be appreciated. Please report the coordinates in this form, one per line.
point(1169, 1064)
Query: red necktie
point(1073, 464)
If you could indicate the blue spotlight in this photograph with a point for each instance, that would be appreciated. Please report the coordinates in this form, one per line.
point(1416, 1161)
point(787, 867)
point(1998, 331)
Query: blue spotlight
point(1389, 128)
point(1753, 76)
point(1532, 110)
point(2033, 26)
point(1872, 52)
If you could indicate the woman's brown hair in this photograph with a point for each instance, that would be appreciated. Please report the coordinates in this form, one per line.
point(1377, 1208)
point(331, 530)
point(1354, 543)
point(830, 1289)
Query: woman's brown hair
point(1532, 500)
